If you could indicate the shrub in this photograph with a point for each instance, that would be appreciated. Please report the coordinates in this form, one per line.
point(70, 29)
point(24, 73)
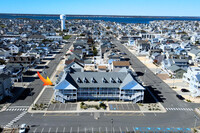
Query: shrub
point(66, 37)
point(82, 103)
point(102, 105)
point(140, 104)
point(188, 100)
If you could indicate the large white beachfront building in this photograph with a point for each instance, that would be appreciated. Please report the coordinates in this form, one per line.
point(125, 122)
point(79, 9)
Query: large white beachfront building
point(75, 86)
point(192, 77)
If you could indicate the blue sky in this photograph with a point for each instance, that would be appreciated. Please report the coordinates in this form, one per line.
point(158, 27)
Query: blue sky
point(104, 7)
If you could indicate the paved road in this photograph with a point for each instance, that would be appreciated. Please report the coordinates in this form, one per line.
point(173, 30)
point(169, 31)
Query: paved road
point(37, 84)
point(162, 91)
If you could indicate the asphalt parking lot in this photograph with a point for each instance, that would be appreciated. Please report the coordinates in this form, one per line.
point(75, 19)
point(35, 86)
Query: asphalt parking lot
point(107, 129)
point(62, 107)
point(124, 107)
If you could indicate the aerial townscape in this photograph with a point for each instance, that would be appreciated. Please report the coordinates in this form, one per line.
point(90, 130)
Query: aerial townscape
point(99, 74)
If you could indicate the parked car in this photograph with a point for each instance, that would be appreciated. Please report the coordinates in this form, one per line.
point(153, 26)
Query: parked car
point(185, 90)
point(180, 97)
point(23, 128)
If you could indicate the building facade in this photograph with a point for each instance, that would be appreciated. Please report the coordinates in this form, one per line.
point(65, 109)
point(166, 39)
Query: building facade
point(75, 86)
point(192, 77)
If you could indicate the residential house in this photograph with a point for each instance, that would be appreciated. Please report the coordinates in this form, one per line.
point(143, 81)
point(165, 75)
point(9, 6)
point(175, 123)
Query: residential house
point(176, 71)
point(183, 63)
point(194, 55)
point(117, 65)
point(186, 45)
point(5, 86)
point(13, 49)
point(157, 58)
point(142, 47)
point(4, 53)
point(26, 61)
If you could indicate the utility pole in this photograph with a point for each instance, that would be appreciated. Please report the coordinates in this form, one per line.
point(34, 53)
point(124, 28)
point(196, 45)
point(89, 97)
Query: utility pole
point(195, 121)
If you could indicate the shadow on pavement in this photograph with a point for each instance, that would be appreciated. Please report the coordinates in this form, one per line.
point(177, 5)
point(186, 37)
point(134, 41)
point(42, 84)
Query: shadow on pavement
point(156, 93)
point(48, 58)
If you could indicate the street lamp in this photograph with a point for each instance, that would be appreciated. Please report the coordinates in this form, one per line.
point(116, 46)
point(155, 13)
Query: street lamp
point(173, 77)
point(195, 121)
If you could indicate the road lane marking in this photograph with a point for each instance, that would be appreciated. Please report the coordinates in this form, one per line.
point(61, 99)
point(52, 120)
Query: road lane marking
point(92, 130)
point(113, 130)
point(63, 129)
point(106, 129)
point(78, 130)
point(99, 129)
point(85, 130)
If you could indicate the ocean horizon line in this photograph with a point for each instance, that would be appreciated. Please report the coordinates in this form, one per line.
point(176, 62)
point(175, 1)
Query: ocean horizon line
point(88, 15)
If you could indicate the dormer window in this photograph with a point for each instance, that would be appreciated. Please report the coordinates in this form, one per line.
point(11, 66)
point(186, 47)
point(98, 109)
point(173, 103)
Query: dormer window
point(94, 80)
point(85, 80)
point(119, 80)
point(104, 80)
point(112, 80)
point(79, 80)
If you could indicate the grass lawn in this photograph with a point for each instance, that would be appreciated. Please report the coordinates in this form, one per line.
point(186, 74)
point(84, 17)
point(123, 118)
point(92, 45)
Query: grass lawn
point(66, 37)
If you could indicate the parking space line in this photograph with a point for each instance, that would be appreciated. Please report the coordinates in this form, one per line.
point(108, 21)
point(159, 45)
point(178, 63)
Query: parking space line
point(133, 106)
point(113, 130)
point(56, 129)
point(127, 129)
point(42, 130)
point(49, 130)
point(63, 129)
point(35, 130)
point(134, 130)
point(127, 106)
point(106, 129)
point(99, 129)
point(71, 130)
point(78, 130)
point(120, 129)
point(85, 130)
point(60, 105)
point(122, 106)
point(92, 130)
point(54, 106)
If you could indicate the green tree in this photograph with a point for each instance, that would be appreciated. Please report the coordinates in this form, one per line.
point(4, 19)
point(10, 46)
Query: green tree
point(95, 51)
point(2, 62)
point(66, 37)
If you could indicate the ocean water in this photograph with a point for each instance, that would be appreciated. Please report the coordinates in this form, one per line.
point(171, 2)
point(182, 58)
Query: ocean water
point(111, 19)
